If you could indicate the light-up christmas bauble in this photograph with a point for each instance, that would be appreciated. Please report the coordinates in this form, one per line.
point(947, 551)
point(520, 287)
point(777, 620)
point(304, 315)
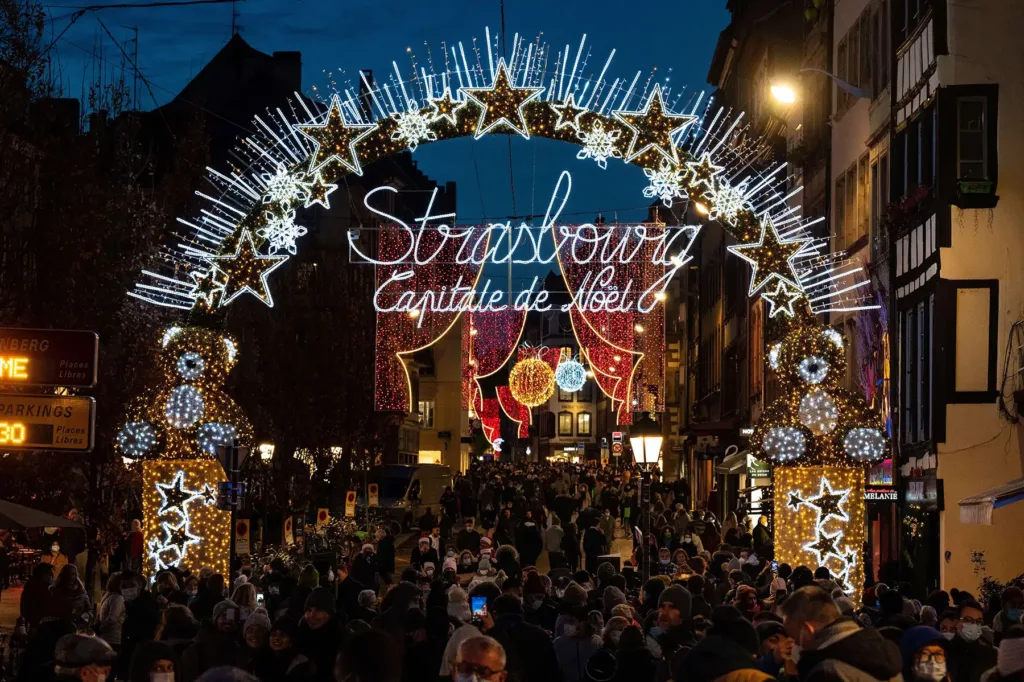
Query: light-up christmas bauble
point(532, 382)
point(570, 375)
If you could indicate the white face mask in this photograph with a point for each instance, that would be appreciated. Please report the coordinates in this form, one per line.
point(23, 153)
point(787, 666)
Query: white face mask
point(55, 549)
point(130, 593)
point(161, 677)
point(930, 670)
point(794, 655)
point(948, 635)
point(971, 631)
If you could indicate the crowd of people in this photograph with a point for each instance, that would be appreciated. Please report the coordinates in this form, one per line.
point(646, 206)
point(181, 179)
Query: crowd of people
point(528, 573)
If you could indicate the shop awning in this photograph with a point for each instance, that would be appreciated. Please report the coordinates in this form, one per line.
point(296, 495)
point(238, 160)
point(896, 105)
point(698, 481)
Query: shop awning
point(977, 509)
point(735, 463)
point(16, 517)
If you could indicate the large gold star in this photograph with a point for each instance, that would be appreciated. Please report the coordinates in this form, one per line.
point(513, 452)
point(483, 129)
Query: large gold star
point(247, 271)
point(771, 256)
point(317, 191)
point(444, 107)
point(335, 140)
point(653, 127)
point(502, 104)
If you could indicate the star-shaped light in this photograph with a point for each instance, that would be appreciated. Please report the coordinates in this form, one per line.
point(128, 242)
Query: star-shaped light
point(247, 271)
point(568, 113)
point(771, 256)
point(335, 140)
point(825, 546)
point(502, 104)
point(828, 502)
point(209, 495)
point(317, 191)
point(180, 536)
point(444, 107)
point(174, 496)
point(781, 300)
point(207, 286)
point(703, 172)
point(653, 127)
point(794, 502)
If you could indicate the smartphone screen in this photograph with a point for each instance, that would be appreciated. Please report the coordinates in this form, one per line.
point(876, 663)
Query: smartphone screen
point(259, 599)
point(478, 606)
point(775, 567)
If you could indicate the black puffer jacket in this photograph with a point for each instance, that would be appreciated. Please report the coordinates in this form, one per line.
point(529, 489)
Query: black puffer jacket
point(846, 652)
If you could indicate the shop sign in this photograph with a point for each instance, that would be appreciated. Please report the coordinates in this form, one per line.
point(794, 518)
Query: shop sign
point(881, 495)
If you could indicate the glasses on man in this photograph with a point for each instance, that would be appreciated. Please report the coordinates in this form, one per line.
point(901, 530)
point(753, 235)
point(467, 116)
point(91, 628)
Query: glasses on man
point(973, 621)
point(936, 656)
point(466, 668)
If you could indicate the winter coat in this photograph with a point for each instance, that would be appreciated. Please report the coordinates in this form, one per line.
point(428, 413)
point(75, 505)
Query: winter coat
point(846, 652)
point(69, 603)
point(553, 539)
point(320, 647)
point(111, 618)
point(529, 543)
point(386, 555)
point(968, 661)
point(282, 666)
point(529, 651)
point(210, 650)
point(716, 659)
point(573, 654)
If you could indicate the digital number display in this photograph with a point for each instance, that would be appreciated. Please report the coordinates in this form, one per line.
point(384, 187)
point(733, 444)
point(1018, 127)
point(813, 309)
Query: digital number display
point(15, 368)
point(46, 422)
point(48, 357)
point(19, 433)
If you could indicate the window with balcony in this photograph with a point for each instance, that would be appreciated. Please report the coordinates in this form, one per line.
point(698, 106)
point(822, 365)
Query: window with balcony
point(971, 157)
point(565, 423)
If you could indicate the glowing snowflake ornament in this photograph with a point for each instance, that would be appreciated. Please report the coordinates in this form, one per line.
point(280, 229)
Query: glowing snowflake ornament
point(281, 232)
point(599, 144)
point(667, 183)
point(413, 127)
point(818, 412)
point(784, 443)
point(282, 186)
point(728, 201)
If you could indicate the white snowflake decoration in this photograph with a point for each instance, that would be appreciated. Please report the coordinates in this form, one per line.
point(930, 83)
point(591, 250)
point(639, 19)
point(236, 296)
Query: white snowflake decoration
point(412, 128)
point(727, 201)
point(599, 145)
point(667, 183)
point(281, 232)
point(282, 186)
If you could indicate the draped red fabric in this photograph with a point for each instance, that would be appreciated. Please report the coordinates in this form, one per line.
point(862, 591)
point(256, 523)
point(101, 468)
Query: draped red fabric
point(516, 411)
point(488, 411)
point(399, 334)
point(487, 351)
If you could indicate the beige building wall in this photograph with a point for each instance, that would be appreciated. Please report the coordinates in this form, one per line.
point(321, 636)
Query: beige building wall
point(444, 389)
point(982, 450)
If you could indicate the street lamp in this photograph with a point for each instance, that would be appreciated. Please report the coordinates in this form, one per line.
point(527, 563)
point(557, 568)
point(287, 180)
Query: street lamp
point(645, 439)
point(784, 92)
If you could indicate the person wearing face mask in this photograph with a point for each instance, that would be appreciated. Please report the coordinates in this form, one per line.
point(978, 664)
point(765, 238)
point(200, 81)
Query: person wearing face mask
point(480, 659)
point(1010, 665)
point(467, 563)
point(968, 656)
point(83, 659)
point(154, 662)
point(665, 565)
point(830, 648)
point(55, 558)
point(424, 553)
point(576, 645)
point(1012, 599)
point(924, 658)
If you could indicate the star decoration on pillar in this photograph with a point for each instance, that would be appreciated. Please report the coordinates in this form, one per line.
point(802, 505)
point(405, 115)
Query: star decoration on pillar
point(179, 536)
point(781, 299)
point(794, 502)
point(829, 501)
point(703, 172)
point(207, 287)
point(771, 256)
point(568, 113)
point(317, 191)
point(209, 495)
point(653, 127)
point(444, 107)
point(335, 140)
point(174, 496)
point(502, 104)
point(247, 271)
point(825, 545)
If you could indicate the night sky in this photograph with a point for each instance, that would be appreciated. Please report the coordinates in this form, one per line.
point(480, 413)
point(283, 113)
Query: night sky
point(676, 36)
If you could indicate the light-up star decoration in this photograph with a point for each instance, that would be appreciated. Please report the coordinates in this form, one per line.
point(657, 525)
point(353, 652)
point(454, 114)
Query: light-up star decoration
point(794, 501)
point(653, 127)
point(317, 191)
point(247, 271)
point(335, 140)
point(502, 104)
point(174, 496)
point(179, 537)
point(828, 502)
point(444, 107)
point(825, 545)
point(208, 287)
point(781, 300)
point(704, 172)
point(771, 256)
point(568, 113)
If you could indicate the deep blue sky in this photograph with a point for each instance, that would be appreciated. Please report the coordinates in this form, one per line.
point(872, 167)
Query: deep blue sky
point(676, 36)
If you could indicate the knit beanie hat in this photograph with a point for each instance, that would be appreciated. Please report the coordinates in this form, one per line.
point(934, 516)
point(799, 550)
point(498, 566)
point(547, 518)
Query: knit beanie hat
point(574, 596)
point(739, 630)
point(458, 604)
point(223, 606)
point(258, 617)
point(613, 596)
point(321, 600)
point(679, 596)
point(533, 585)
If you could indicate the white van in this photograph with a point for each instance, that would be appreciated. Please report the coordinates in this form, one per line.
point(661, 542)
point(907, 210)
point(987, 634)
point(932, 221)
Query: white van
point(397, 481)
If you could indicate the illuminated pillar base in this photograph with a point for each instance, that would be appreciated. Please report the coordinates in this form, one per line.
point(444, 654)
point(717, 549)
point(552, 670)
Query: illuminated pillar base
point(819, 521)
point(181, 523)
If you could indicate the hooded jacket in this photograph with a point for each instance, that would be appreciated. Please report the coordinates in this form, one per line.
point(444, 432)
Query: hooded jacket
point(846, 652)
point(717, 657)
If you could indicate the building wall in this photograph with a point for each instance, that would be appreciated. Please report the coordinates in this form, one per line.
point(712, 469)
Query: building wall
point(444, 390)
